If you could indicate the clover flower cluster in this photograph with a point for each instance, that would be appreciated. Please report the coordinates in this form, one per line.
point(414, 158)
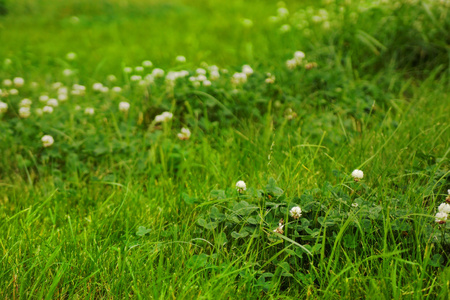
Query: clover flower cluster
point(443, 211)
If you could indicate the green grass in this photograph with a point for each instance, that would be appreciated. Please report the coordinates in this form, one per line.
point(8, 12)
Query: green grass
point(120, 207)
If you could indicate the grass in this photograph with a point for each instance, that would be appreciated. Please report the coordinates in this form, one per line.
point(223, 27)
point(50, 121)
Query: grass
point(120, 207)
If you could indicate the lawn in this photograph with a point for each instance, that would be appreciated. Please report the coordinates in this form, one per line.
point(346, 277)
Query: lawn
point(212, 149)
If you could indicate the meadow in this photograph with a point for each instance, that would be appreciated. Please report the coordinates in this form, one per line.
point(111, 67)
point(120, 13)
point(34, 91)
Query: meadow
point(212, 149)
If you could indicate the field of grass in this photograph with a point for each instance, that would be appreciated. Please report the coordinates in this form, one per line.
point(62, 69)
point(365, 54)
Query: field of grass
point(289, 97)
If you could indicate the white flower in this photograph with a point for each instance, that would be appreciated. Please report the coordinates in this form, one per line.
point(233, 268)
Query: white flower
point(185, 134)
point(299, 56)
point(147, 63)
point(63, 90)
point(241, 186)
point(71, 56)
point(355, 204)
point(116, 89)
point(127, 70)
point(239, 78)
point(52, 102)
point(157, 72)
point(24, 112)
point(124, 106)
point(296, 212)
point(270, 78)
point(139, 69)
point(279, 229)
point(448, 191)
point(357, 174)
point(291, 64)
point(206, 83)
point(444, 208)
point(67, 72)
point(3, 107)
point(47, 140)
point(25, 103)
point(39, 112)
point(47, 109)
point(97, 86)
point(164, 117)
point(7, 61)
point(201, 77)
point(441, 217)
point(7, 82)
point(62, 97)
point(180, 59)
point(89, 111)
point(104, 89)
point(43, 98)
point(135, 78)
point(247, 70)
point(214, 74)
point(200, 71)
point(13, 92)
point(18, 81)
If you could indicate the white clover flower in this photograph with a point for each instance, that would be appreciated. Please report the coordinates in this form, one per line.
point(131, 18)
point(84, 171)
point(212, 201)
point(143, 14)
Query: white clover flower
point(291, 64)
point(52, 102)
point(77, 107)
point(206, 83)
point(279, 229)
point(444, 207)
point(117, 89)
point(47, 109)
point(14, 92)
point(18, 81)
point(124, 106)
point(357, 174)
point(180, 59)
point(7, 82)
point(67, 72)
point(139, 69)
point(39, 111)
point(239, 78)
point(147, 63)
point(185, 134)
point(63, 97)
point(63, 90)
point(24, 112)
point(296, 212)
point(127, 70)
point(78, 90)
point(270, 78)
point(89, 111)
point(214, 75)
point(299, 56)
point(247, 70)
point(56, 85)
point(3, 107)
point(285, 28)
point(43, 98)
point(441, 217)
point(97, 86)
point(355, 204)
point(47, 140)
point(200, 71)
point(164, 117)
point(25, 103)
point(111, 78)
point(157, 72)
point(241, 186)
point(104, 89)
point(71, 56)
